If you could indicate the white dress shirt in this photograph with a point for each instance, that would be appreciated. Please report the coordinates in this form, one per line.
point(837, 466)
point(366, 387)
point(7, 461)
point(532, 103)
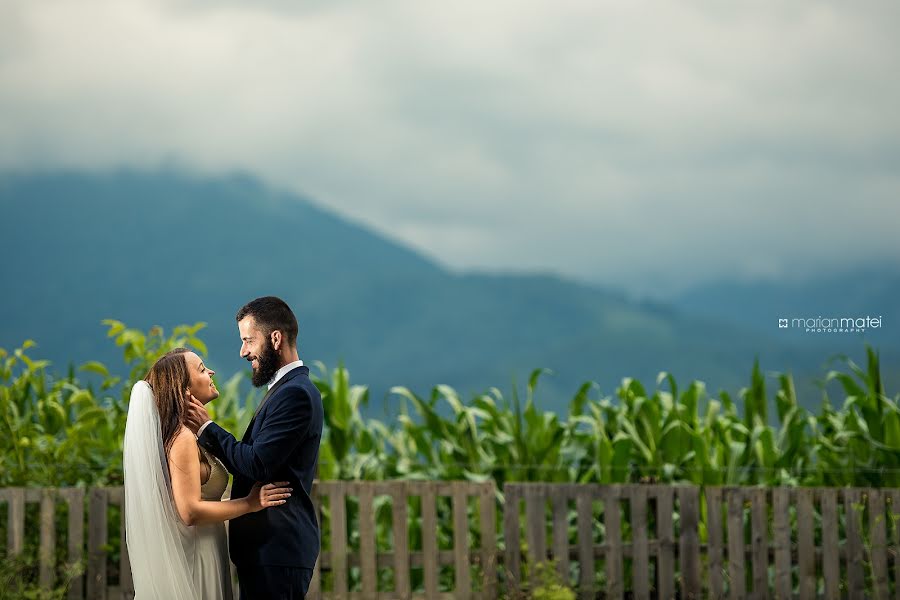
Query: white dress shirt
point(278, 375)
point(283, 371)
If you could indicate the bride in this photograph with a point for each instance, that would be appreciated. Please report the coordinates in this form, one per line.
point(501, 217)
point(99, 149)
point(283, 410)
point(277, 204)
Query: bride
point(174, 512)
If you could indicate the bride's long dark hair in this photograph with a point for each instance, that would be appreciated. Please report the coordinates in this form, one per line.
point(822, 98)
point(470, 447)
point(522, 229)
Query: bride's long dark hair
point(169, 378)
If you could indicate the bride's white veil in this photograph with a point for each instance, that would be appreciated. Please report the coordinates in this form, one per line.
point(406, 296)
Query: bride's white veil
point(160, 545)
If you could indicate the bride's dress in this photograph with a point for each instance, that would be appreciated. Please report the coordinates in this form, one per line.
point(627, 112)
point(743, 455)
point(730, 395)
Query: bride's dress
point(212, 571)
point(169, 560)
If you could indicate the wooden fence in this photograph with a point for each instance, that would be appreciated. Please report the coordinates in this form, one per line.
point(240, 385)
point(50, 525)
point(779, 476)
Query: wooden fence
point(416, 502)
point(425, 540)
point(647, 540)
point(351, 556)
point(609, 548)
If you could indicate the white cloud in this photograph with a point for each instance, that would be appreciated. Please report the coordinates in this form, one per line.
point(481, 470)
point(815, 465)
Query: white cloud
point(649, 144)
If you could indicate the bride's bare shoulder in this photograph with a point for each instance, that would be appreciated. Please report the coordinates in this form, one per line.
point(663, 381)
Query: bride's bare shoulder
point(184, 445)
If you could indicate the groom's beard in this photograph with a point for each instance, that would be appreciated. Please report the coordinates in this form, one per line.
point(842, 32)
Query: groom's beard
point(268, 366)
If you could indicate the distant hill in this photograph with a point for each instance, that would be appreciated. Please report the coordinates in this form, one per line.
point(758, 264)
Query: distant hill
point(872, 289)
point(168, 248)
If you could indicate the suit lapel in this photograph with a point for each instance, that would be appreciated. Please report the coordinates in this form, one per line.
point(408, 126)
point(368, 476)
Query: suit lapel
point(287, 376)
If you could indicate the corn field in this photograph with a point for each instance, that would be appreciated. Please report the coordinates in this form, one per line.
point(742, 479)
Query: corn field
point(57, 430)
point(66, 429)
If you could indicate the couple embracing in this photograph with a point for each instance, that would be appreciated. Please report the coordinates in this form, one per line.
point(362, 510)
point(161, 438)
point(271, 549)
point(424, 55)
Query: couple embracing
point(177, 462)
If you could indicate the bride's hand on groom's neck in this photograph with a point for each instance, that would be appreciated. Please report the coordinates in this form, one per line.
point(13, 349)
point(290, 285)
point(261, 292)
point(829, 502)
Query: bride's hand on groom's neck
point(195, 415)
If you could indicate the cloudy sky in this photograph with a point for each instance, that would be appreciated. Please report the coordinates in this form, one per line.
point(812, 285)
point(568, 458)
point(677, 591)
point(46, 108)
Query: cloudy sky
point(649, 145)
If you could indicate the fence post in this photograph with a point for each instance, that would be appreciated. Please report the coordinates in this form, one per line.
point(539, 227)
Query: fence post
point(806, 554)
point(75, 499)
point(488, 514)
point(399, 515)
point(429, 541)
point(853, 512)
point(584, 529)
point(612, 519)
point(759, 544)
point(665, 576)
point(97, 538)
point(782, 531)
point(16, 519)
point(640, 560)
point(338, 503)
point(463, 580)
point(831, 565)
point(878, 544)
point(689, 552)
point(512, 560)
point(47, 552)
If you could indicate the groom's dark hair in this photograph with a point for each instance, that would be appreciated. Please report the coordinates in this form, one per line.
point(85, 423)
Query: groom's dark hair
point(271, 314)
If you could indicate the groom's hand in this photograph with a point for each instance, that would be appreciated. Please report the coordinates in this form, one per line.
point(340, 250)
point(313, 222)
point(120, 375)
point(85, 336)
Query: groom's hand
point(196, 415)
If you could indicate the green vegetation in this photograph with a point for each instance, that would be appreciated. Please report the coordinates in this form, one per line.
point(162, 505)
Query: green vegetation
point(67, 430)
point(59, 431)
point(18, 574)
point(666, 436)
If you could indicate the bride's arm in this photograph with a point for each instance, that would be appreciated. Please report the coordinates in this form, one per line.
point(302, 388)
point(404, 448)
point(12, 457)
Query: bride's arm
point(184, 469)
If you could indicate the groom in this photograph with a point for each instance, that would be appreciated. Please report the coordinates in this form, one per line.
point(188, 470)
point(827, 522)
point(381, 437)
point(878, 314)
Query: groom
point(274, 550)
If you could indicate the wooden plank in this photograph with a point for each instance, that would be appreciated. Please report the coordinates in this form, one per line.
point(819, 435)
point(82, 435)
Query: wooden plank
point(665, 562)
point(584, 530)
point(125, 580)
point(115, 496)
point(97, 539)
point(535, 528)
point(689, 549)
point(47, 551)
point(75, 499)
point(714, 549)
point(640, 565)
point(853, 531)
point(367, 548)
point(831, 566)
point(338, 503)
point(429, 542)
point(894, 496)
point(854, 545)
point(759, 543)
point(488, 515)
point(461, 563)
point(315, 583)
point(512, 560)
point(16, 521)
point(401, 540)
point(737, 584)
point(612, 519)
point(561, 535)
point(805, 544)
point(878, 544)
point(385, 560)
point(781, 530)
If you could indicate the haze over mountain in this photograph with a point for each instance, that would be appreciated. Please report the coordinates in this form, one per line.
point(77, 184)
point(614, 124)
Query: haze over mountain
point(869, 290)
point(164, 247)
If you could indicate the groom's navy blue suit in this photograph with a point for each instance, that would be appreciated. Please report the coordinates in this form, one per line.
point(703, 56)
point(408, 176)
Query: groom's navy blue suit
point(280, 444)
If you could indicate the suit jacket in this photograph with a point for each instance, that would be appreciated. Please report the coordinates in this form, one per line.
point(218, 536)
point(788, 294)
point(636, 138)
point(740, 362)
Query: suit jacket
point(280, 444)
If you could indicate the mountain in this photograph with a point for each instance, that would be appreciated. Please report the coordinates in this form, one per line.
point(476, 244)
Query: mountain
point(871, 289)
point(167, 248)
point(868, 291)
